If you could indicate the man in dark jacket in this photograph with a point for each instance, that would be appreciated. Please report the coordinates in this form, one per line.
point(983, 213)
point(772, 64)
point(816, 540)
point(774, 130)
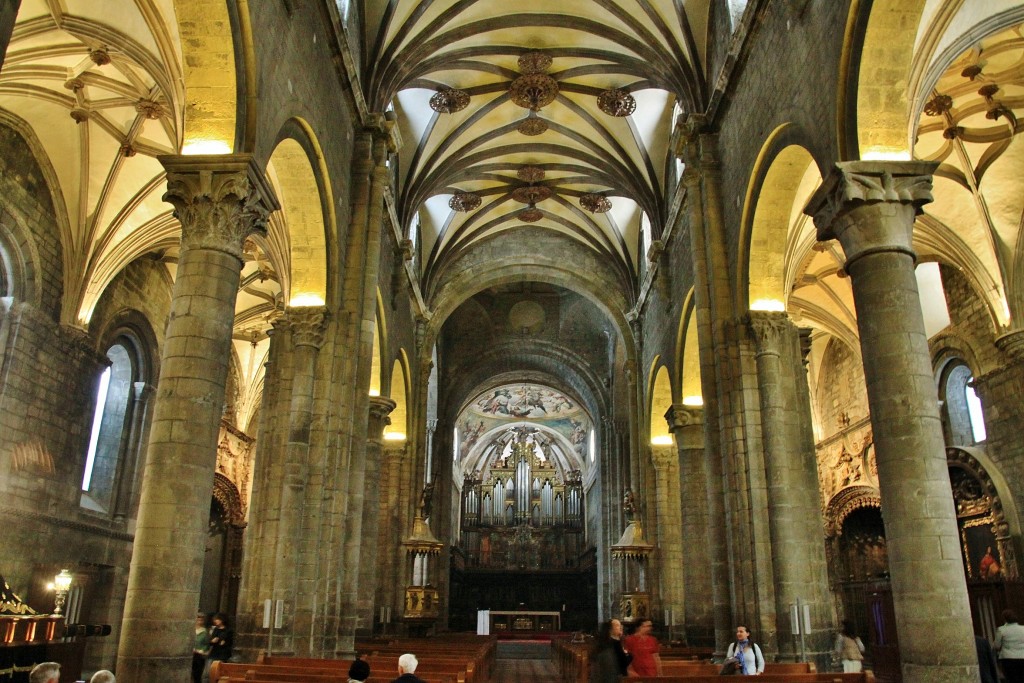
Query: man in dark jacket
point(407, 664)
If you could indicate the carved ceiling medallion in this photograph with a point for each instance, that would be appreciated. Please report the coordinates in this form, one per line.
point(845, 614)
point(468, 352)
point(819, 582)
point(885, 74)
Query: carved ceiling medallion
point(616, 102)
point(531, 174)
point(464, 201)
point(595, 203)
point(532, 125)
point(449, 100)
point(530, 215)
point(531, 194)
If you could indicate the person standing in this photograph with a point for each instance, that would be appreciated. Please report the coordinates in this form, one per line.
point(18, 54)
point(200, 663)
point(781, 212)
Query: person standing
point(200, 649)
point(748, 655)
point(850, 649)
point(1009, 645)
point(221, 639)
point(608, 660)
point(645, 650)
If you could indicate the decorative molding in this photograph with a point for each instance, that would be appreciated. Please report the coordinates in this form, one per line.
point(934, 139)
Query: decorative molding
point(306, 325)
point(769, 329)
point(219, 200)
point(853, 184)
point(64, 523)
point(847, 501)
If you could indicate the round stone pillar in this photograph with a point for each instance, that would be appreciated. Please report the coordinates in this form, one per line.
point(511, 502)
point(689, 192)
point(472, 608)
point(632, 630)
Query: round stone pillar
point(687, 426)
point(219, 201)
point(869, 206)
point(380, 408)
point(797, 531)
point(306, 330)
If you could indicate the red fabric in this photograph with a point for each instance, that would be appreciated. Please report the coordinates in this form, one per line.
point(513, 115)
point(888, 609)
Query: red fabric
point(643, 649)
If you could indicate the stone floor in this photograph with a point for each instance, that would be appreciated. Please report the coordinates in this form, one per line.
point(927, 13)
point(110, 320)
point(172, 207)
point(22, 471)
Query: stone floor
point(524, 662)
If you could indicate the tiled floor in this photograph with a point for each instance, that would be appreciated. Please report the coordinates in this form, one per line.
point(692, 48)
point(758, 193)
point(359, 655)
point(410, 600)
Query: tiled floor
point(524, 663)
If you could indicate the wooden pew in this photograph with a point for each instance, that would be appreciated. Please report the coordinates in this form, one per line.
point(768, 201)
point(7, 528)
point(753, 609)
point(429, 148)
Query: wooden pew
point(690, 668)
point(863, 677)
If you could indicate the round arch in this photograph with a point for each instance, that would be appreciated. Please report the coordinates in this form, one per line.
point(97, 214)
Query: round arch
point(688, 379)
point(300, 179)
point(659, 401)
point(379, 353)
point(783, 173)
point(880, 38)
point(399, 427)
point(209, 50)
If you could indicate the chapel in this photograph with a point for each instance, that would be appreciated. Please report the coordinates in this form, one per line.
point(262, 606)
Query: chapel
point(370, 318)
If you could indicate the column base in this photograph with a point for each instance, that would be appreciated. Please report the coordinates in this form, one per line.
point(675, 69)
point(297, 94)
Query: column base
point(939, 673)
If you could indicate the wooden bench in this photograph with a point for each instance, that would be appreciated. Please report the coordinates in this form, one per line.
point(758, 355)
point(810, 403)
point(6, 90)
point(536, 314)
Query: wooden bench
point(863, 677)
point(689, 669)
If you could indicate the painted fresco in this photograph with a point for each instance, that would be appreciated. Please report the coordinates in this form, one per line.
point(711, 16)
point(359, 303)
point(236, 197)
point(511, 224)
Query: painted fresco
point(524, 402)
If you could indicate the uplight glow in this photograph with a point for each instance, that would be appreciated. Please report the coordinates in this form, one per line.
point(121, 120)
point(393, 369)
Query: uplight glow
point(663, 440)
point(394, 436)
point(306, 299)
point(197, 147)
point(693, 400)
point(768, 305)
point(886, 154)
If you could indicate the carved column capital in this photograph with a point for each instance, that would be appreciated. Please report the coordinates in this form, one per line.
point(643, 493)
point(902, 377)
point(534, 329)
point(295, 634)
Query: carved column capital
point(869, 206)
point(1012, 344)
point(380, 409)
point(680, 416)
point(769, 329)
point(306, 325)
point(219, 200)
point(664, 456)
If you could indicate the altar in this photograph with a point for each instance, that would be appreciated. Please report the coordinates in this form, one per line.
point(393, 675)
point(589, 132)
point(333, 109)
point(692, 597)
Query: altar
point(498, 621)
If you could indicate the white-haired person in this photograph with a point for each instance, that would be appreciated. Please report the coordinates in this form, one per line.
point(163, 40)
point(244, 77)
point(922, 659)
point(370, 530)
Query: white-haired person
point(102, 676)
point(407, 664)
point(47, 672)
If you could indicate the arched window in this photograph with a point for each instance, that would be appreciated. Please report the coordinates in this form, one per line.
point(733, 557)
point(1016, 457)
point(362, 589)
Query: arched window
point(111, 452)
point(965, 420)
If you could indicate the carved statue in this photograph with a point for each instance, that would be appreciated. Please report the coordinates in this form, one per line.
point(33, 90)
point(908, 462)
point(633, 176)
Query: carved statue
point(629, 505)
point(426, 499)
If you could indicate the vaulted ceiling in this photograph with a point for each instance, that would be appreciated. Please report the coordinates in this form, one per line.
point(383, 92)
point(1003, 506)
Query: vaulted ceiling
point(464, 75)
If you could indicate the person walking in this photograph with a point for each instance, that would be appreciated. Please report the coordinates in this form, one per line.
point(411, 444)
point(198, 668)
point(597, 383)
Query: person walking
point(850, 649)
point(1009, 645)
point(645, 650)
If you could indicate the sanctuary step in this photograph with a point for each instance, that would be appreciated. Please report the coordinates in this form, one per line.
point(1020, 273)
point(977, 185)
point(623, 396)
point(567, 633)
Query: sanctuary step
point(519, 662)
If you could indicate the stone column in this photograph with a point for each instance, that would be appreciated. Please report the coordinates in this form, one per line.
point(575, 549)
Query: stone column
point(219, 200)
point(669, 530)
point(306, 332)
point(380, 408)
point(797, 532)
point(687, 426)
point(869, 206)
point(389, 584)
point(363, 306)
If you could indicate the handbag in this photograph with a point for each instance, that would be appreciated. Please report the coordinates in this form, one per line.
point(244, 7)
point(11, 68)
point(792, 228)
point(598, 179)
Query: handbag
point(730, 667)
